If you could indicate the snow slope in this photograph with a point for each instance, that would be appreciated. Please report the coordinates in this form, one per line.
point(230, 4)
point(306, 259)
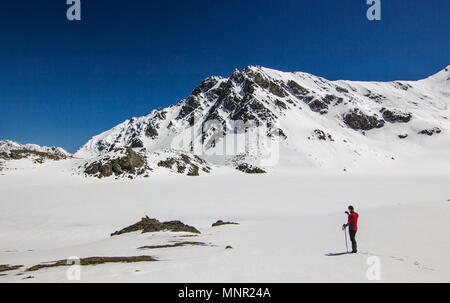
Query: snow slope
point(289, 222)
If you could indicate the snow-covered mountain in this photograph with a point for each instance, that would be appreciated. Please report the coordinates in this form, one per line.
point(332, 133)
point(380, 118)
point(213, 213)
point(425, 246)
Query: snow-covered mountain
point(317, 128)
point(6, 146)
point(300, 120)
point(11, 150)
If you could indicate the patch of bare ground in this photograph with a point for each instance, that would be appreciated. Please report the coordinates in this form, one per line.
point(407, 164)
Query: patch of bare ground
point(220, 222)
point(39, 157)
point(178, 244)
point(93, 261)
point(7, 267)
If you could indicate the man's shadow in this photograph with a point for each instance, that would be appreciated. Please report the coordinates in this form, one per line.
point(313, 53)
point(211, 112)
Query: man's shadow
point(338, 254)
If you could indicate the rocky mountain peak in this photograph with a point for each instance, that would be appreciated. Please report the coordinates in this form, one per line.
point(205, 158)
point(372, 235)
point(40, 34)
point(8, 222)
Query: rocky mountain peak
point(291, 107)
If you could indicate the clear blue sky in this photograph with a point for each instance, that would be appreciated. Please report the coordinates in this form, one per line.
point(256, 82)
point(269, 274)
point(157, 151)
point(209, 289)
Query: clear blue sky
point(62, 82)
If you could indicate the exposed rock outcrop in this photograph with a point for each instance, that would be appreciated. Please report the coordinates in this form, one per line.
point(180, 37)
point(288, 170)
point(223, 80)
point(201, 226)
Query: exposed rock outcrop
point(124, 161)
point(220, 223)
point(92, 261)
point(184, 163)
point(36, 156)
point(395, 116)
point(319, 106)
point(250, 169)
point(7, 267)
point(321, 135)
point(177, 244)
point(357, 120)
point(10, 150)
point(431, 131)
point(147, 225)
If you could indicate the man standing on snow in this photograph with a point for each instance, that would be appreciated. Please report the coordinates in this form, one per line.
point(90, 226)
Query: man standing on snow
point(353, 226)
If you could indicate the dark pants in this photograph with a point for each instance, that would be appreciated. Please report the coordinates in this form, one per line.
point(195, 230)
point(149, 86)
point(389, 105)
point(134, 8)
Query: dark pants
point(353, 239)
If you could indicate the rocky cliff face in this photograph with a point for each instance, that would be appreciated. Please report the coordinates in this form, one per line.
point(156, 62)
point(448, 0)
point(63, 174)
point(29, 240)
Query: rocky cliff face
point(288, 110)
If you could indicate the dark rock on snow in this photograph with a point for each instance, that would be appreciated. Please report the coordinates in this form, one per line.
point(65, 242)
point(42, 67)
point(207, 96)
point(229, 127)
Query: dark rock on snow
point(431, 131)
point(147, 225)
point(130, 163)
point(220, 222)
point(250, 169)
point(396, 116)
point(359, 121)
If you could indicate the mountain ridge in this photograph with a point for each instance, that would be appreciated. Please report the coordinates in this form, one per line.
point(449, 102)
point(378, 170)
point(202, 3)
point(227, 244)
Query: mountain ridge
point(9, 145)
point(11, 150)
point(347, 113)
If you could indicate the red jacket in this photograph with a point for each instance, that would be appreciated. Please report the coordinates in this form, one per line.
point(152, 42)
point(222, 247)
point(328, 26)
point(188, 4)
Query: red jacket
point(353, 221)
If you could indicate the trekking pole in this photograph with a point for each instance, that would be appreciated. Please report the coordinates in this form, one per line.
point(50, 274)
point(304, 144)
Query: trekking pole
point(345, 233)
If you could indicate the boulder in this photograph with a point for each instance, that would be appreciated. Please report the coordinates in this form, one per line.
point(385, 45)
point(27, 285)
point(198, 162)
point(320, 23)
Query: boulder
point(250, 169)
